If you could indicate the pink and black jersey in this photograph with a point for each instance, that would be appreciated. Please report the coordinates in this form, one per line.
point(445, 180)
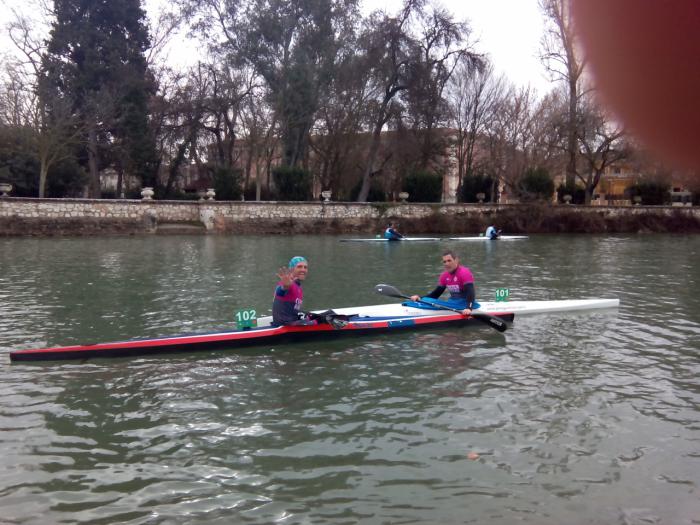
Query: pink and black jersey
point(456, 282)
point(287, 303)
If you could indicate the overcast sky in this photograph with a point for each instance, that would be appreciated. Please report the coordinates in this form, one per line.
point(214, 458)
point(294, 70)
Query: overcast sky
point(508, 30)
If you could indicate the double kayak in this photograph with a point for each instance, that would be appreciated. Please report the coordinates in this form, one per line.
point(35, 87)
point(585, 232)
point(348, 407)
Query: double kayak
point(356, 321)
point(483, 238)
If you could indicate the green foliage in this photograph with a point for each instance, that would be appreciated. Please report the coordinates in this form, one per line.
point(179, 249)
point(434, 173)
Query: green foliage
point(652, 193)
point(423, 186)
point(476, 183)
point(376, 192)
point(293, 184)
point(19, 165)
point(228, 183)
point(536, 184)
point(66, 179)
point(578, 194)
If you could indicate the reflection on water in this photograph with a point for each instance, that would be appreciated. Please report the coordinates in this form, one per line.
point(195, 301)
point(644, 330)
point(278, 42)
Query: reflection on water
point(577, 418)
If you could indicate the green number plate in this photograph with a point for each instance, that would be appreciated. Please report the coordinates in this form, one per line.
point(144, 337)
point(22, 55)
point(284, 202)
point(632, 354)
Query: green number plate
point(245, 318)
point(502, 294)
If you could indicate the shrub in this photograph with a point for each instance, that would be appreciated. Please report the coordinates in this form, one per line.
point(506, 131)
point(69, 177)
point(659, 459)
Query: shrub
point(652, 193)
point(536, 184)
point(472, 184)
point(251, 192)
point(227, 183)
point(423, 186)
point(292, 184)
point(578, 194)
point(376, 192)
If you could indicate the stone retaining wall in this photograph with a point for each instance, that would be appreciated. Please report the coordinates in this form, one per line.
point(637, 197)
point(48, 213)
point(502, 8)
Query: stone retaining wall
point(21, 216)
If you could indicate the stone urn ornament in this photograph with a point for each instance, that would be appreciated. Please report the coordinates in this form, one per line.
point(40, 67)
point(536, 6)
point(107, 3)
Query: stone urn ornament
point(326, 195)
point(210, 194)
point(5, 188)
point(147, 193)
point(480, 197)
point(403, 195)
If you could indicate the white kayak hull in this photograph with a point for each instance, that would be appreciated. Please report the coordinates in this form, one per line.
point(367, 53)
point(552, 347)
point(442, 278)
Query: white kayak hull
point(397, 310)
point(405, 239)
point(482, 238)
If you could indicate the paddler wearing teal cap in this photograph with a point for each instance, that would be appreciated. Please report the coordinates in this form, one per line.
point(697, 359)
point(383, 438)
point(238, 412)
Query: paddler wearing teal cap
point(289, 295)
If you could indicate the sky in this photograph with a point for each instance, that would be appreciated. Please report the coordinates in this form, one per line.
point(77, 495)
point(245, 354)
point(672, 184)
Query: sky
point(508, 30)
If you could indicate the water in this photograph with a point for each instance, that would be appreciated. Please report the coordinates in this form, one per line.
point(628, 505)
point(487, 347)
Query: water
point(582, 418)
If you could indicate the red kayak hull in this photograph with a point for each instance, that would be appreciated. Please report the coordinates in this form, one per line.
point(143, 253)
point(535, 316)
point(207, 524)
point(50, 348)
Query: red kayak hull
point(239, 338)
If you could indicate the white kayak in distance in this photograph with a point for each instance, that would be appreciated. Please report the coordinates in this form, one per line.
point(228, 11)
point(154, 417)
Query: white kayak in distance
point(483, 238)
point(404, 239)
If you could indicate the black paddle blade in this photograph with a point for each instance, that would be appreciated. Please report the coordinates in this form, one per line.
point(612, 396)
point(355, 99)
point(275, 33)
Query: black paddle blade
point(492, 321)
point(389, 291)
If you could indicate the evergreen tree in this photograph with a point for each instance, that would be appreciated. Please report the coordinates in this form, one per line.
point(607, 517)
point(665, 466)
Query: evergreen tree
point(95, 58)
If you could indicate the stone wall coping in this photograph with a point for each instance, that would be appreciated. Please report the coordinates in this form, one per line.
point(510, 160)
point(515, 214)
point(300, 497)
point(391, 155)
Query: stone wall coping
point(378, 204)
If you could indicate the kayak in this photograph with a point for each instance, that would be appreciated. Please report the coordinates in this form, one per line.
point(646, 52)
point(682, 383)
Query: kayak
point(360, 320)
point(404, 239)
point(482, 238)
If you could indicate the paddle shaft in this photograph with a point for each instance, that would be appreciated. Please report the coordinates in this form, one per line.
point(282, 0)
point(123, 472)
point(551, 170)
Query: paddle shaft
point(491, 320)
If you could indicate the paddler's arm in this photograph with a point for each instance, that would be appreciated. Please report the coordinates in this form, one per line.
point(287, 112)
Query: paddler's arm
point(471, 296)
point(433, 295)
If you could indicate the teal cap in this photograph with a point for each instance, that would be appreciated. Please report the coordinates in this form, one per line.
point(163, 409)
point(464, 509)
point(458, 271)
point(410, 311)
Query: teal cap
point(296, 260)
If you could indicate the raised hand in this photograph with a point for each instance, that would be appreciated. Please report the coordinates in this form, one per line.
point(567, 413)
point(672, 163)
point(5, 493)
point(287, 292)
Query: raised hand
point(285, 277)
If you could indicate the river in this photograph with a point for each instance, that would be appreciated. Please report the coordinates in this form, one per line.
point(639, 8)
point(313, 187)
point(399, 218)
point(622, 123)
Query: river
point(578, 418)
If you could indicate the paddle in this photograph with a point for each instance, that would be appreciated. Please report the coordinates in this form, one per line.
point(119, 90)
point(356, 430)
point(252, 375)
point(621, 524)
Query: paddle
point(492, 321)
point(337, 321)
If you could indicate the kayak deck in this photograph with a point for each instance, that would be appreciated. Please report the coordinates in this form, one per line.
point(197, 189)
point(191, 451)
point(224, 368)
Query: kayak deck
point(500, 238)
point(362, 320)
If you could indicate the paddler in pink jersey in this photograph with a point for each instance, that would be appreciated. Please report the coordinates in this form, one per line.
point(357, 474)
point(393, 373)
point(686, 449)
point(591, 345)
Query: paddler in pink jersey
point(458, 280)
point(286, 306)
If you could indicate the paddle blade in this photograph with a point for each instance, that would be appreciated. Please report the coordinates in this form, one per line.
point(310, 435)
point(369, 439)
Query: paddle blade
point(389, 291)
point(492, 321)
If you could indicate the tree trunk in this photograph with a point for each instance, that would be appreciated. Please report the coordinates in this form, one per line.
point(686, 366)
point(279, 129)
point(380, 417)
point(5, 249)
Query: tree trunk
point(94, 187)
point(43, 173)
point(572, 139)
point(373, 150)
point(120, 183)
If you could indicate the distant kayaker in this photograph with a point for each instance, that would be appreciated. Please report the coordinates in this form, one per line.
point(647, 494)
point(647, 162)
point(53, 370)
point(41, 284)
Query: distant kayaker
point(492, 233)
point(286, 306)
point(458, 280)
point(391, 233)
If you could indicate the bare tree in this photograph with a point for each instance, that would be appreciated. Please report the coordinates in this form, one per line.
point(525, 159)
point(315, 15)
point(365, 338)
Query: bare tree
point(510, 137)
point(388, 48)
point(32, 105)
point(475, 94)
point(602, 142)
point(565, 63)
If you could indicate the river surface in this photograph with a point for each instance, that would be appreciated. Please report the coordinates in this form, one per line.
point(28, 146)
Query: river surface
point(577, 418)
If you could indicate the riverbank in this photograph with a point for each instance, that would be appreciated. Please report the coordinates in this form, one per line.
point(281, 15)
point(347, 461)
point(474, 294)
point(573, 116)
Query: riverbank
point(56, 217)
